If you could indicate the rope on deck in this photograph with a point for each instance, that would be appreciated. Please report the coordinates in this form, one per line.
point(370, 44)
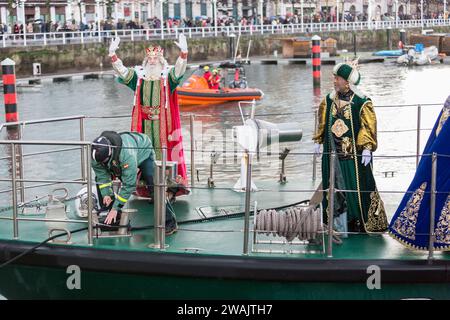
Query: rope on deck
point(297, 221)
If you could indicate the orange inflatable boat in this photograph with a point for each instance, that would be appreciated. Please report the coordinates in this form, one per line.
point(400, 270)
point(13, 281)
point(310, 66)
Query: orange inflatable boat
point(195, 91)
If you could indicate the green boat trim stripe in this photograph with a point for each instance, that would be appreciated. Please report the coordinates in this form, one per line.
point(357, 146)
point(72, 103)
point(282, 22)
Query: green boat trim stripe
point(227, 267)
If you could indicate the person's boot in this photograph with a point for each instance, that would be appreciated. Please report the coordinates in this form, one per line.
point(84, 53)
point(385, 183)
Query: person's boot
point(171, 227)
point(171, 222)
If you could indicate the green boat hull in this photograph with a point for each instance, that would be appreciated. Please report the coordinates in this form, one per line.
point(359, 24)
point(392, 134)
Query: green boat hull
point(25, 282)
point(48, 273)
point(205, 260)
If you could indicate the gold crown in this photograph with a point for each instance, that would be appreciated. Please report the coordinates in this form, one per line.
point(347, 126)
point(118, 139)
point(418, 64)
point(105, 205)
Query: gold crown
point(156, 51)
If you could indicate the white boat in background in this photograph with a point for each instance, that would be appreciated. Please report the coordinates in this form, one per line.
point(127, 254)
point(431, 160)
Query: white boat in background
point(428, 55)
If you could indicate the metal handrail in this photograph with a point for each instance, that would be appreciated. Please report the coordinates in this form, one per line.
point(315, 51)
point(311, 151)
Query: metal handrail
point(46, 142)
point(331, 189)
point(85, 162)
point(45, 181)
point(47, 120)
point(22, 125)
point(34, 186)
point(43, 152)
point(64, 37)
point(45, 220)
point(186, 115)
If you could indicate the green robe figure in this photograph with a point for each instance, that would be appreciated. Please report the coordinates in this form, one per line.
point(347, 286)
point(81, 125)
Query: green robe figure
point(155, 107)
point(347, 125)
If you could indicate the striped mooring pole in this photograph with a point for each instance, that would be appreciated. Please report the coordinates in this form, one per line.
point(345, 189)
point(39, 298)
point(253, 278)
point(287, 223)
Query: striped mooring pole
point(316, 60)
point(9, 90)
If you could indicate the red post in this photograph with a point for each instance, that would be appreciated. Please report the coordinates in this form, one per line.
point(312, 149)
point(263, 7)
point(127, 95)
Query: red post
point(316, 60)
point(9, 90)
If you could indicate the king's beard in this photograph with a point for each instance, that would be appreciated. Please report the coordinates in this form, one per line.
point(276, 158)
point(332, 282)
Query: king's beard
point(153, 71)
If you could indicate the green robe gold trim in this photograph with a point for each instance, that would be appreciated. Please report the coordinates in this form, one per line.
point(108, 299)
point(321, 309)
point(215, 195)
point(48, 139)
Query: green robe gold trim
point(340, 133)
point(150, 96)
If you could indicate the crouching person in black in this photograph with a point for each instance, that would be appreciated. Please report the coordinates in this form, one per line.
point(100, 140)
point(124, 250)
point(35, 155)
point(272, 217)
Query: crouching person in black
point(121, 155)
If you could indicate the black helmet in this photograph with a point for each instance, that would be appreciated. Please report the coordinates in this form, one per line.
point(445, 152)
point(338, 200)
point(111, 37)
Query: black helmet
point(101, 149)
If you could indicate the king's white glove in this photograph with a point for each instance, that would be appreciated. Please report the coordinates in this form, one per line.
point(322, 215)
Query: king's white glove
point(317, 151)
point(366, 157)
point(114, 46)
point(182, 43)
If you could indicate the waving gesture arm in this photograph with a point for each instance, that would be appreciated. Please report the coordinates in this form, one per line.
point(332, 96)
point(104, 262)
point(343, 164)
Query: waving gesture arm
point(117, 64)
point(180, 66)
point(182, 43)
point(114, 46)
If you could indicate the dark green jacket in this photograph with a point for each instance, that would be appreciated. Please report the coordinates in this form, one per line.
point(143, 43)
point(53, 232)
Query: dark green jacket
point(136, 148)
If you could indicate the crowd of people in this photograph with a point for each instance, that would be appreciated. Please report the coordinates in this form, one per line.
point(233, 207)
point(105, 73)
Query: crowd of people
point(40, 26)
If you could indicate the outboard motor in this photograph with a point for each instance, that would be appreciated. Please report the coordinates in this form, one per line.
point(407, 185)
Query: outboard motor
point(243, 84)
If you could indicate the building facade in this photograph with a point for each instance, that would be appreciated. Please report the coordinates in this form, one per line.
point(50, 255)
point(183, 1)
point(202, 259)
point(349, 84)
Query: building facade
point(88, 11)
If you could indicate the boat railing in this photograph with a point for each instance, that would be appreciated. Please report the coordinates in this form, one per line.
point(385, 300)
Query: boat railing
point(18, 131)
point(332, 190)
point(18, 181)
point(193, 116)
point(14, 145)
point(159, 184)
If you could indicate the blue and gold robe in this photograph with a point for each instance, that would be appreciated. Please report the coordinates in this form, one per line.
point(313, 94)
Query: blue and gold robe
point(411, 222)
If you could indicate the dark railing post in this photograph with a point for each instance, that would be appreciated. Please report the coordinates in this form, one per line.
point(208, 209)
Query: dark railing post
point(14, 190)
point(248, 186)
point(419, 112)
point(431, 239)
point(331, 204)
point(191, 128)
point(89, 194)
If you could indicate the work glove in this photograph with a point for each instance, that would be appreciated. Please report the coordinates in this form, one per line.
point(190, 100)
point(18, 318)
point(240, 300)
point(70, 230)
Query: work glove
point(366, 157)
point(182, 43)
point(317, 151)
point(114, 46)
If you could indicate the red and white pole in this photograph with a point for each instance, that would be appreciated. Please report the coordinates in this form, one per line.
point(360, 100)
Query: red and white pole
point(316, 62)
point(9, 90)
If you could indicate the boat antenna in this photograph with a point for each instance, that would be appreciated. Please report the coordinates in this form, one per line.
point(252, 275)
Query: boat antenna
point(248, 50)
point(237, 48)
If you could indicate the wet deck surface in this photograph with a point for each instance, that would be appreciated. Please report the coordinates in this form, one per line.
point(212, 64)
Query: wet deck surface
point(223, 236)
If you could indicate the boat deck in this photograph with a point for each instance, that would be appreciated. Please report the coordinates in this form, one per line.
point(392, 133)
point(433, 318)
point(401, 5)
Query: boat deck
point(222, 236)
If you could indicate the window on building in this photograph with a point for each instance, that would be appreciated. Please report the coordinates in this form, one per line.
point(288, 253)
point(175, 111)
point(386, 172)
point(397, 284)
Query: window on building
point(126, 11)
point(166, 10)
point(389, 9)
point(203, 11)
point(45, 17)
point(176, 11)
point(326, 9)
point(189, 10)
point(60, 17)
point(60, 14)
point(12, 19)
